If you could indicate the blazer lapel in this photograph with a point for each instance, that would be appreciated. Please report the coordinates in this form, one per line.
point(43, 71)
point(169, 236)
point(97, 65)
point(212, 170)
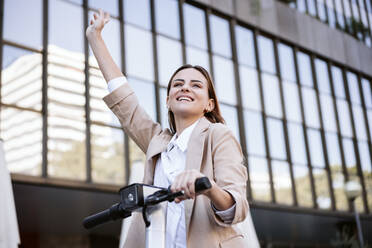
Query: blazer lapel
point(194, 158)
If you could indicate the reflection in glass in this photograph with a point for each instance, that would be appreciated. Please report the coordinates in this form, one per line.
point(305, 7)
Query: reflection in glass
point(266, 52)
point(196, 56)
point(137, 12)
point(282, 182)
point(287, 66)
point(366, 86)
point(220, 36)
point(316, 148)
point(322, 76)
point(338, 82)
point(249, 86)
point(66, 18)
point(224, 79)
point(292, 102)
point(195, 30)
point(276, 139)
point(146, 94)
point(349, 155)
point(271, 95)
point(352, 83)
point(245, 46)
point(297, 144)
point(323, 198)
point(260, 182)
point(107, 155)
point(23, 22)
point(138, 53)
point(21, 132)
point(304, 68)
point(231, 118)
point(169, 58)
point(310, 107)
point(359, 123)
point(328, 113)
point(167, 19)
point(255, 138)
point(344, 118)
point(21, 78)
point(338, 182)
point(303, 186)
point(110, 6)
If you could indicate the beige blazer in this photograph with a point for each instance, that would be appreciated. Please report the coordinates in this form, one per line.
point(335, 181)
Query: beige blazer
point(212, 149)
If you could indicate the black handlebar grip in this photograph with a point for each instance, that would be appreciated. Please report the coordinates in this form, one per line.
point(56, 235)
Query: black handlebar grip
point(96, 219)
point(202, 183)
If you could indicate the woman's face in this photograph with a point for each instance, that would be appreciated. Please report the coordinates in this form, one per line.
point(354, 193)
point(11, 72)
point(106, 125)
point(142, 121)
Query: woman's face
point(188, 94)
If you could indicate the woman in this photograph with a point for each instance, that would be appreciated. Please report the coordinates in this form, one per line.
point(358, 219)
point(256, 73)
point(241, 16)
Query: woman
point(198, 144)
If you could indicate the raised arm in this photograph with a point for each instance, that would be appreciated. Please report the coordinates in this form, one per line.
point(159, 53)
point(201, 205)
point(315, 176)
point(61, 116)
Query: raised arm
point(105, 62)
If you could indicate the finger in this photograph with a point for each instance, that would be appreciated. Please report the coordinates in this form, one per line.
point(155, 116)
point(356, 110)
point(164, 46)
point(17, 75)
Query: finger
point(91, 22)
point(95, 16)
point(107, 17)
point(192, 189)
point(101, 14)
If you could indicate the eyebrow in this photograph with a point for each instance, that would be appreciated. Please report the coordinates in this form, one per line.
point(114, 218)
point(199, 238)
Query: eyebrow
point(192, 80)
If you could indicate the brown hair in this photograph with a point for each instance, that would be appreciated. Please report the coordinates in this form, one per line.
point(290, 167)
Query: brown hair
point(213, 116)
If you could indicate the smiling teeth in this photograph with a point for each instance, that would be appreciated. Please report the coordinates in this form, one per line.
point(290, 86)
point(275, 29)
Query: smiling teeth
point(184, 98)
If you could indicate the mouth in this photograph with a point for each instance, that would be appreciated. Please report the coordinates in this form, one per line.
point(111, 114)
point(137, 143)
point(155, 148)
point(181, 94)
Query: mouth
point(184, 98)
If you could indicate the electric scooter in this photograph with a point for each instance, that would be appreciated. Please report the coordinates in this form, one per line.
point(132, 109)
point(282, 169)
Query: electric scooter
point(148, 199)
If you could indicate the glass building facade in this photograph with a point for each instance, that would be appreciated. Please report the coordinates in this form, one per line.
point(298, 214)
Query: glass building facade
point(304, 120)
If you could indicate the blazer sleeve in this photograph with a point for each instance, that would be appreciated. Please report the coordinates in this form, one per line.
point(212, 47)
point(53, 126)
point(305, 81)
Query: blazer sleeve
point(133, 118)
point(230, 173)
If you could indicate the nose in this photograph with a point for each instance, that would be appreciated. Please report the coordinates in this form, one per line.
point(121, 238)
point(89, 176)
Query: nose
point(185, 87)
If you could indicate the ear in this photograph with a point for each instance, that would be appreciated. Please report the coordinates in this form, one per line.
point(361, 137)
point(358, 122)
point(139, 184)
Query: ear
point(210, 106)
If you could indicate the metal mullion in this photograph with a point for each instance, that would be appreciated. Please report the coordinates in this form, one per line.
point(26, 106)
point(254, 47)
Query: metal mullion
point(316, 10)
point(339, 137)
point(263, 114)
point(182, 30)
point(242, 134)
point(325, 6)
point(306, 7)
point(123, 68)
point(322, 134)
point(304, 130)
point(155, 57)
point(209, 41)
point(335, 12)
point(285, 127)
point(44, 98)
point(355, 143)
point(88, 157)
point(1, 49)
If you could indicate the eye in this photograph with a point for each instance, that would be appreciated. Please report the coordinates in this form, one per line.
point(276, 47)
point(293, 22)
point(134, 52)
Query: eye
point(197, 86)
point(177, 84)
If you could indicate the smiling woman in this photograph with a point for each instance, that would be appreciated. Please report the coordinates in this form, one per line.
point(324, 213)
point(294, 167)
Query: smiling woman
point(197, 144)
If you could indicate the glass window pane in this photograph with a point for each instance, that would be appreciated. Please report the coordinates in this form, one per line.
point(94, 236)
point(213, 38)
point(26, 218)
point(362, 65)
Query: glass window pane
point(137, 161)
point(231, 117)
point(99, 112)
point(107, 148)
point(338, 82)
point(352, 83)
point(322, 188)
point(316, 148)
point(138, 53)
point(369, 117)
point(321, 11)
point(110, 6)
point(333, 150)
point(169, 58)
point(111, 36)
point(338, 182)
point(322, 76)
point(21, 132)
point(276, 139)
point(195, 30)
point(310, 107)
point(365, 158)
point(311, 7)
point(366, 86)
point(292, 102)
point(297, 144)
point(287, 66)
point(331, 14)
point(224, 79)
point(255, 138)
point(167, 19)
point(304, 68)
point(163, 107)
point(196, 56)
point(220, 35)
point(245, 46)
point(359, 123)
point(344, 118)
point(23, 22)
point(303, 186)
point(272, 95)
point(249, 88)
point(146, 94)
point(282, 182)
point(137, 12)
point(328, 113)
point(266, 52)
point(21, 78)
point(260, 181)
point(349, 156)
point(66, 18)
